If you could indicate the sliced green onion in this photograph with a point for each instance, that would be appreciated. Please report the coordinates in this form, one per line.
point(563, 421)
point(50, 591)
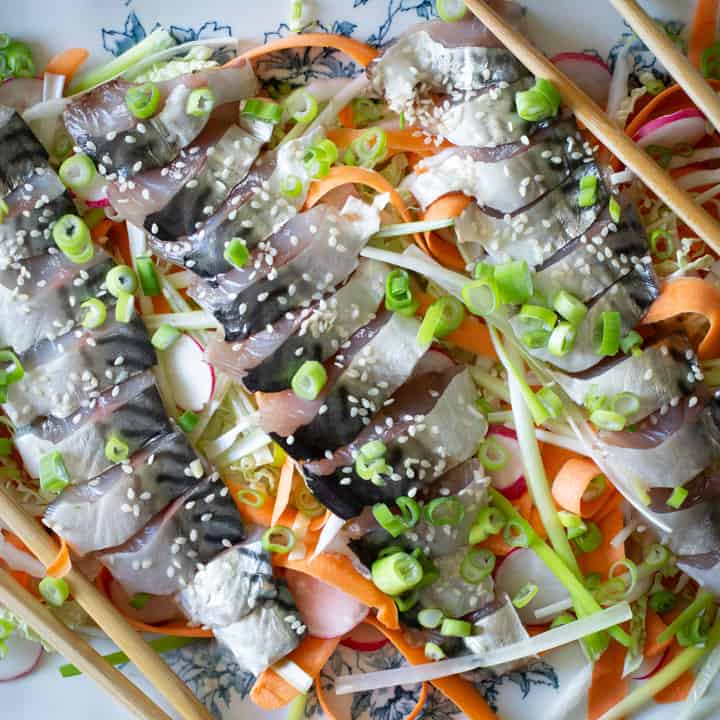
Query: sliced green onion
point(7, 628)
point(450, 10)
point(116, 449)
point(140, 600)
point(251, 496)
point(551, 401)
point(327, 150)
point(5, 447)
point(306, 502)
point(562, 339)
point(11, 369)
point(430, 570)
point(55, 591)
point(569, 307)
point(631, 341)
point(540, 102)
point(596, 487)
point(702, 602)
point(430, 618)
point(407, 600)
point(710, 62)
point(656, 557)
point(147, 274)
point(608, 420)
point(54, 477)
point(608, 333)
point(625, 403)
point(535, 339)
point(514, 534)
point(72, 236)
point(562, 619)
point(429, 326)
point(451, 312)
point(390, 522)
point(3, 393)
point(693, 634)
point(398, 294)
point(477, 565)
point(143, 101)
point(309, 380)
point(662, 245)
point(200, 102)
point(662, 155)
point(315, 164)
point(514, 282)
point(444, 511)
point(490, 520)
point(539, 316)
point(295, 24)
point(628, 586)
point(390, 550)
point(593, 581)
point(95, 313)
point(370, 148)
point(278, 539)
point(483, 271)
point(370, 462)
point(587, 196)
point(188, 421)
point(480, 297)
point(236, 252)
point(301, 106)
point(291, 186)
point(165, 336)
point(4, 210)
point(121, 279)
point(662, 601)
point(365, 111)
point(77, 172)
point(590, 540)
point(434, 652)
point(397, 573)
point(594, 400)
point(409, 509)
point(492, 454)
point(574, 524)
point(614, 209)
point(455, 628)
point(678, 497)
point(525, 595)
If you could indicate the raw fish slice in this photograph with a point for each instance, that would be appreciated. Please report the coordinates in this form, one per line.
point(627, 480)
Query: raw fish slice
point(20, 152)
point(111, 508)
point(64, 375)
point(26, 228)
point(329, 325)
point(102, 126)
point(660, 376)
point(421, 446)
point(325, 264)
point(46, 291)
point(254, 210)
point(505, 179)
point(535, 233)
point(135, 413)
point(165, 555)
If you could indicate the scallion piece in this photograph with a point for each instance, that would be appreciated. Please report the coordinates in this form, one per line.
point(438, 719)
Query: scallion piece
point(309, 380)
point(4, 211)
point(125, 308)
point(434, 652)
point(430, 618)
point(3, 393)
point(710, 62)
point(165, 336)
point(387, 520)
point(236, 252)
point(492, 454)
point(662, 601)
point(625, 403)
point(444, 511)
point(55, 591)
point(121, 279)
point(188, 421)
point(140, 600)
point(614, 209)
point(607, 340)
point(574, 524)
point(450, 10)
point(200, 102)
point(551, 401)
point(72, 236)
point(535, 339)
point(525, 595)
point(656, 557)
point(398, 294)
point(480, 297)
point(455, 628)
point(562, 339)
point(514, 282)
point(662, 245)
point(54, 477)
point(590, 540)
point(514, 534)
point(149, 281)
point(291, 186)
point(365, 111)
point(569, 307)
point(265, 110)
point(370, 462)
point(301, 106)
point(631, 341)
point(116, 449)
point(7, 628)
point(278, 539)
point(678, 497)
point(587, 196)
point(397, 573)
point(562, 619)
point(327, 150)
point(95, 313)
point(370, 148)
point(251, 496)
point(77, 172)
point(540, 102)
point(490, 520)
point(143, 101)
point(5, 447)
point(608, 420)
point(538, 316)
point(11, 369)
point(595, 400)
point(451, 313)
point(477, 565)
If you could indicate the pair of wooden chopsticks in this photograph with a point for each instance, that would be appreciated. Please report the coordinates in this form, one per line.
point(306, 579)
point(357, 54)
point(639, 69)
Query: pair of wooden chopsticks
point(680, 202)
point(106, 616)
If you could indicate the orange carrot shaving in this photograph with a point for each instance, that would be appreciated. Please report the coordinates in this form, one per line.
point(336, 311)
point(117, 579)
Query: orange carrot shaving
point(571, 484)
point(461, 692)
point(272, 692)
point(690, 295)
point(409, 140)
point(448, 206)
point(654, 627)
point(600, 560)
point(62, 564)
point(357, 51)
point(702, 29)
point(285, 486)
point(678, 690)
point(101, 230)
point(346, 118)
point(608, 687)
point(67, 62)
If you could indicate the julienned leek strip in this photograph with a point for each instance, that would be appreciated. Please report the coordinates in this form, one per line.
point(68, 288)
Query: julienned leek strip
point(26, 606)
point(602, 127)
point(169, 685)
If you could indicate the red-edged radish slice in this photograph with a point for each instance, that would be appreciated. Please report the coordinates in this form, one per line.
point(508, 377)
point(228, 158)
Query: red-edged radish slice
point(680, 127)
point(95, 194)
point(21, 93)
point(365, 638)
point(510, 479)
point(327, 611)
point(522, 567)
point(22, 658)
point(589, 72)
point(652, 666)
point(157, 609)
point(191, 378)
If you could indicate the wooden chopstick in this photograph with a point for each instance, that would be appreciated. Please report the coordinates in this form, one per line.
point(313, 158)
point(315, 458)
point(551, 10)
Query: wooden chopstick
point(104, 613)
point(27, 607)
point(682, 204)
point(693, 83)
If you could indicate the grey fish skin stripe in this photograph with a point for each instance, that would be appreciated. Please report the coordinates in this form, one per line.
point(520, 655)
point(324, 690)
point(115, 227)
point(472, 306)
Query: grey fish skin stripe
point(20, 154)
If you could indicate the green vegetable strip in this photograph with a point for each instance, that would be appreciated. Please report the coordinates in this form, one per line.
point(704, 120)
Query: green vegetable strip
point(701, 602)
point(666, 676)
point(161, 645)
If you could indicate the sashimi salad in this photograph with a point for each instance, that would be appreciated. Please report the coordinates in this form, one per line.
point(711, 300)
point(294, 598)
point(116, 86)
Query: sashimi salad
point(402, 357)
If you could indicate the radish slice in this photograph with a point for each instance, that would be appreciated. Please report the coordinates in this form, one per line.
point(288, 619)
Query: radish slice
point(683, 126)
point(95, 194)
point(192, 379)
point(21, 93)
point(327, 611)
point(158, 609)
point(654, 667)
point(510, 479)
point(524, 566)
point(588, 72)
point(22, 658)
point(19, 560)
point(365, 638)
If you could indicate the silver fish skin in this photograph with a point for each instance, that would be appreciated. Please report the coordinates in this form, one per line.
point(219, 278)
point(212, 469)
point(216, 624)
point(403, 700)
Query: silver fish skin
point(21, 154)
